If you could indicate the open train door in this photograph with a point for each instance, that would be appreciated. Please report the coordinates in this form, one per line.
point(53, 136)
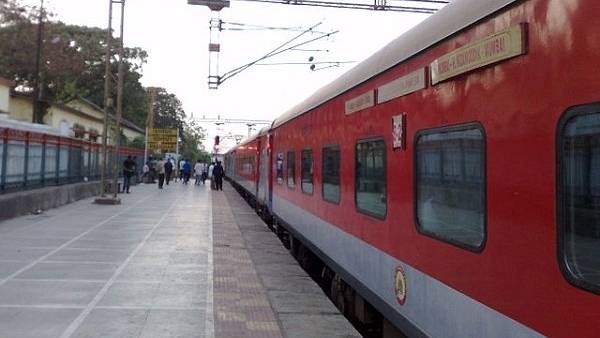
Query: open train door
point(259, 175)
point(270, 169)
point(264, 179)
point(267, 158)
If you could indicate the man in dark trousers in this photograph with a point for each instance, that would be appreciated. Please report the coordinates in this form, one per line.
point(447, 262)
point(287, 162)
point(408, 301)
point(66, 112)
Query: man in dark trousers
point(168, 169)
point(218, 173)
point(128, 172)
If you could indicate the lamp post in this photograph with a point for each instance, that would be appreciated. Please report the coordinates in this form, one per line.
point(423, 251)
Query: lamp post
point(117, 161)
point(106, 98)
point(108, 102)
point(37, 90)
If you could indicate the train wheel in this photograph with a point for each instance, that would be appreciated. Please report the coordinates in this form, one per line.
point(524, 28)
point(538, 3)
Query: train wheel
point(282, 234)
point(337, 294)
point(310, 263)
point(326, 279)
point(301, 257)
point(341, 303)
point(333, 291)
point(270, 224)
point(349, 296)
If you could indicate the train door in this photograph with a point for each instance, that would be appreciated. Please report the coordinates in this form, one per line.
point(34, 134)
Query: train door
point(257, 172)
point(264, 189)
point(269, 164)
point(263, 173)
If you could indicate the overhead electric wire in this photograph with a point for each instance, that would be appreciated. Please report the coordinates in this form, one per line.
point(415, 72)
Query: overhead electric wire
point(411, 6)
point(274, 52)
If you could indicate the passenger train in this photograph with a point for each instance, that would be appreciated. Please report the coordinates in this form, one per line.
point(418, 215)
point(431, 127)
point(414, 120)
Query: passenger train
point(450, 183)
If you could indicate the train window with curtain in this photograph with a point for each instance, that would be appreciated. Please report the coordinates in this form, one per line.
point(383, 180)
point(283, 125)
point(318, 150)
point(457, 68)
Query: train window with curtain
point(306, 171)
point(450, 185)
point(370, 177)
point(331, 173)
point(291, 169)
point(578, 158)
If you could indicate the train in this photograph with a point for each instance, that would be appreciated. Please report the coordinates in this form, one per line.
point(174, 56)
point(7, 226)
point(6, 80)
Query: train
point(449, 185)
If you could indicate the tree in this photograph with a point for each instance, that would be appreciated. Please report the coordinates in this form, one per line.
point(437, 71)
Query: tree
point(168, 111)
point(17, 50)
point(169, 114)
point(72, 65)
point(72, 61)
point(191, 145)
point(10, 12)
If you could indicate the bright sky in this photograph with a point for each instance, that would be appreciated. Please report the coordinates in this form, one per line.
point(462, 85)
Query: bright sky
point(176, 36)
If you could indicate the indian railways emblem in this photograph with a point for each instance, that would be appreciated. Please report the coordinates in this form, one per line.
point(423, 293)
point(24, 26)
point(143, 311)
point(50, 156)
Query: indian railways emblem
point(400, 285)
point(399, 131)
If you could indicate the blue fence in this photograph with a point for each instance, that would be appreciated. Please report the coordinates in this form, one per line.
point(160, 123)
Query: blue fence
point(30, 160)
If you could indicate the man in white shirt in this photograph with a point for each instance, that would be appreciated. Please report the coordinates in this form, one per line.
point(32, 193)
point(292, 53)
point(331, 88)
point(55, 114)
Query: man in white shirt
point(181, 164)
point(198, 169)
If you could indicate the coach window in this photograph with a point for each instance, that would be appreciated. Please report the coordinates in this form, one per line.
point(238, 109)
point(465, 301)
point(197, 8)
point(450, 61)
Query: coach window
point(306, 171)
point(291, 169)
point(331, 173)
point(370, 177)
point(578, 158)
point(450, 185)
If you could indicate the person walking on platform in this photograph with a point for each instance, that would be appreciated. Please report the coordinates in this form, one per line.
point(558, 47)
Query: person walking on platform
point(198, 169)
point(187, 171)
point(204, 172)
point(160, 170)
point(218, 174)
point(168, 169)
point(146, 176)
point(181, 164)
point(128, 172)
point(210, 175)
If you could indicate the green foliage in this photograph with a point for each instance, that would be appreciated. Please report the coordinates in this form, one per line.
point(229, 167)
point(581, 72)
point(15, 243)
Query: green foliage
point(18, 35)
point(137, 143)
point(72, 61)
point(191, 143)
point(72, 65)
point(168, 111)
point(169, 114)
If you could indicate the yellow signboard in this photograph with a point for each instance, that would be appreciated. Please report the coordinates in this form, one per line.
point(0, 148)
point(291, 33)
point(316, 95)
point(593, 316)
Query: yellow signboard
point(501, 46)
point(155, 131)
point(162, 146)
point(162, 139)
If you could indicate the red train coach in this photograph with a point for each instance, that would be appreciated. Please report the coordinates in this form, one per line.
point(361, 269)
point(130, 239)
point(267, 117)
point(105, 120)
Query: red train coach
point(452, 180)
point(247, 167)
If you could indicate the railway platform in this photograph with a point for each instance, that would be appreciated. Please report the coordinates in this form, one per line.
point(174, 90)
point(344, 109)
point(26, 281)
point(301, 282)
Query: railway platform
point(183, 261)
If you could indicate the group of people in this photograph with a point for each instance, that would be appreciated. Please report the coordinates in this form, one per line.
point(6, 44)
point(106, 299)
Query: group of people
point(165, 171)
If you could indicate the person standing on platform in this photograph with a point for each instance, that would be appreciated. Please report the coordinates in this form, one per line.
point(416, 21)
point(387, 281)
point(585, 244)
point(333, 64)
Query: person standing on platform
point(218, 174)
point(128, 172)
point(168, 169)
point(160, 170)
